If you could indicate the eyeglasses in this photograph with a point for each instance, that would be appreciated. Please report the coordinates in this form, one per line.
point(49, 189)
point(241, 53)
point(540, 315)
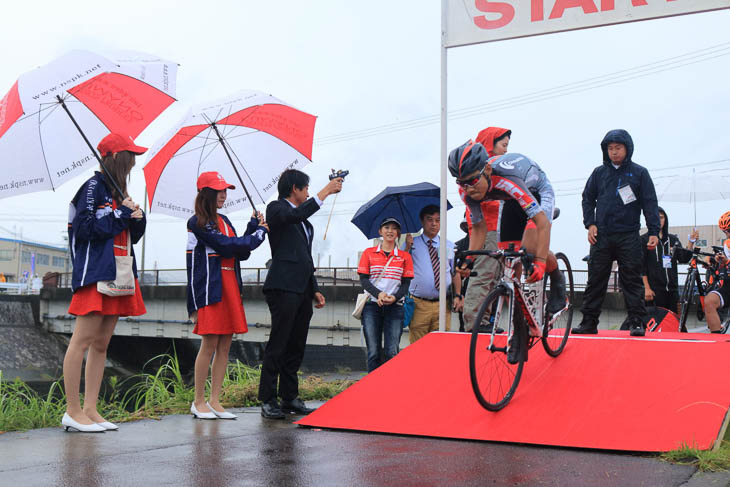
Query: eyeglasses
point(469, 183)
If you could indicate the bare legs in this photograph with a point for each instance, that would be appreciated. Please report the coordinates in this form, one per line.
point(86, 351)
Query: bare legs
point(712, 304)
point(213, 347)
point(92, 333)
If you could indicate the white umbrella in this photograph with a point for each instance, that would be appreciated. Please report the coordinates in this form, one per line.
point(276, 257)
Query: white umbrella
point(685, 188)
point(249, 137)
point(53, 117)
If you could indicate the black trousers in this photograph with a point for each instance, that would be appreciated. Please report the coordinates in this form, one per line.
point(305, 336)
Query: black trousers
point(290, 316)
point(665, 299)
point(625, 248)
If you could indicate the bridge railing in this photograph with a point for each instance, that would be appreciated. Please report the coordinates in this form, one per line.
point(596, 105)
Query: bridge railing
point(333, 276)
point(251, 276)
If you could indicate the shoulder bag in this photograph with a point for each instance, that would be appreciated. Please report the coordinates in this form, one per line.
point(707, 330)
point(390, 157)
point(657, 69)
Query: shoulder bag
point(364, 296)
point(123, 284)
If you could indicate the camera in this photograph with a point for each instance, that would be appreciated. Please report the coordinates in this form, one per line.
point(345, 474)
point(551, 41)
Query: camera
point(340, 173)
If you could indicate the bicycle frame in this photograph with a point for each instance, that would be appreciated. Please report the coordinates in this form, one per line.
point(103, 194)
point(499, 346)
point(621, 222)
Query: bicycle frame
point(529, 296)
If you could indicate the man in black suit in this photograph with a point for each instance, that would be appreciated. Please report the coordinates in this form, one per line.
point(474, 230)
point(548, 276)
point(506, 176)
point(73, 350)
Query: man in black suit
point(290, 290)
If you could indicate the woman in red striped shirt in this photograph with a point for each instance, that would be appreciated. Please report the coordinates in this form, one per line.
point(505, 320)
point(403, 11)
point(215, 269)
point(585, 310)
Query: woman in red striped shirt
point(385, 273)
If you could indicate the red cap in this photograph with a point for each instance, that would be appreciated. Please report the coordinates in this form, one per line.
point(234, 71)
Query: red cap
point(113, 143)
point(213, 180)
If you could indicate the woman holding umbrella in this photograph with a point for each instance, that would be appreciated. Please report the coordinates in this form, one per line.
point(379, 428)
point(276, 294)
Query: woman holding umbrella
point(385, 273)
point(214, 286)
point(104, 223)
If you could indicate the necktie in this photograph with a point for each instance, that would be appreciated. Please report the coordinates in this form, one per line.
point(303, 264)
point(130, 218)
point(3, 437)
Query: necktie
point(434, 263)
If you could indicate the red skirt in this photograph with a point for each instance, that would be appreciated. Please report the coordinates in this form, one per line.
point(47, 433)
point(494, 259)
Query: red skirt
point(226, 317)
point(88, 300)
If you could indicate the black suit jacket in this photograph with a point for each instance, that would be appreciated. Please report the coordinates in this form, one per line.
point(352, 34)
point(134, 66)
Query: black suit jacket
point(292, 267)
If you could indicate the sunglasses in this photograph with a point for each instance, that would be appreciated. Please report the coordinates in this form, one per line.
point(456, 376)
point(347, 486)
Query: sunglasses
point(469, 183)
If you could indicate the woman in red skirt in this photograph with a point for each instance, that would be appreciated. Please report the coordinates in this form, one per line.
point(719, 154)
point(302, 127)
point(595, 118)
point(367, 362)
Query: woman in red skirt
point(213, 259)
point(102, 224)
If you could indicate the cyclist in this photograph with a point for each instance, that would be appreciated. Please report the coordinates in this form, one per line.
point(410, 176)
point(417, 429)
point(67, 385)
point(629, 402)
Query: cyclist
point(508, 177)
point(719, 297)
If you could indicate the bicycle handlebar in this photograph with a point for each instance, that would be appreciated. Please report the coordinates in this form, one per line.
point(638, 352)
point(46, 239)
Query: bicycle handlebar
point(461, 256)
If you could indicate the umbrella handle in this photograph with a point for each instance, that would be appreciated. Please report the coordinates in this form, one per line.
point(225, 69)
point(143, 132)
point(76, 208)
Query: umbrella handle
point(106, 172)
point(330, 217)
point(230, 159)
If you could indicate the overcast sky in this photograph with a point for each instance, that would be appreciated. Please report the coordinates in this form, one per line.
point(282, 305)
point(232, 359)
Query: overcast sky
point(361, 65)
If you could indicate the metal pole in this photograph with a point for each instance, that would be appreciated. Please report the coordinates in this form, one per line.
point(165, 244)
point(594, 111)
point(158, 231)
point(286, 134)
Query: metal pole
point(144, 235)
point(93, 151)
point(444, 221)
point(220, 138)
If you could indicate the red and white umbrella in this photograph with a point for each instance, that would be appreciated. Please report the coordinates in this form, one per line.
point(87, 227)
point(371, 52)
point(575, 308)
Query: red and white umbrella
point(249, 137)
point(53, 117)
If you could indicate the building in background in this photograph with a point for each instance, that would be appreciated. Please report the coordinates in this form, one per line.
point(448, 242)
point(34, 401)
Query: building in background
point(21, 258)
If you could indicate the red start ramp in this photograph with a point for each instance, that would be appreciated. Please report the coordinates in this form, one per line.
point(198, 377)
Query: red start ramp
point(607, 391)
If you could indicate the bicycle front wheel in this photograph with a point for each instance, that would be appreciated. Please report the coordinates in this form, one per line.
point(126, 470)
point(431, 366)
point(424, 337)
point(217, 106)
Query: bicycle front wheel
point(685, 299)
point(493, 379)
point(557, 328)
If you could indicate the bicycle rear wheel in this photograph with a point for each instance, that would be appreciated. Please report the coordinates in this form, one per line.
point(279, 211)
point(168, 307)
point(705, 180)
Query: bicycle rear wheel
point(493, 379)
point(556, 330)
point(685, 299)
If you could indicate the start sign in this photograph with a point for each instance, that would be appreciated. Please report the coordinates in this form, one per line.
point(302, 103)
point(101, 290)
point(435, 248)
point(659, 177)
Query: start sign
point(475, 21)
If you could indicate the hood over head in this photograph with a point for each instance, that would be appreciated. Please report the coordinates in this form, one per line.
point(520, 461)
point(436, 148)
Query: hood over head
point(487, 137)
point(665, 228)
point(620, 136)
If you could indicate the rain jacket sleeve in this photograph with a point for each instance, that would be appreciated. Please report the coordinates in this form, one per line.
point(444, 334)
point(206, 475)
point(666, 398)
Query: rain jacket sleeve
point(95, 220)
point(649, 204)
point(137, 228)
point(590, 194)
point(238, 247)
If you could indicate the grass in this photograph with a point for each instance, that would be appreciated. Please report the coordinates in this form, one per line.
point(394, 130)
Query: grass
point(146, 395)
point(704, 460)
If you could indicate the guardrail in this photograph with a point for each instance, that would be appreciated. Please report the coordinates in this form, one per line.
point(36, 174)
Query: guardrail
point(334, 276)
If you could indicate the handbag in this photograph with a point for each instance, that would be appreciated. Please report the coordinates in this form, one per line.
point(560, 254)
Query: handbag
point(123, 284)
point(364, 296)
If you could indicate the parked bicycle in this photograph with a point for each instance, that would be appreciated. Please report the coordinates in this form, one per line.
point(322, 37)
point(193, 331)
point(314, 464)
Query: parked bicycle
point(520, 320)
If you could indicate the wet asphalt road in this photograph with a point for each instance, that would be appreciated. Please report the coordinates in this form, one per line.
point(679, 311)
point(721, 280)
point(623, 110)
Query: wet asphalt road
point(179, 450)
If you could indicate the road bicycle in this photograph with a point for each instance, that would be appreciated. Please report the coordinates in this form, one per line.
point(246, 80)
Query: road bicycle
point(520, 320)
point(695, 289)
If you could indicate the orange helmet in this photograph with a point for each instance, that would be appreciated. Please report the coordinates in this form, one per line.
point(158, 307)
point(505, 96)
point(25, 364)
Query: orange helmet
point(724, 222)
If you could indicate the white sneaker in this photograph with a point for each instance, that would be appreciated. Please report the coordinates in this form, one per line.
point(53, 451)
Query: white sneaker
point(68, 422)
point(199, 415)
point(221, 415)
point(108, 426)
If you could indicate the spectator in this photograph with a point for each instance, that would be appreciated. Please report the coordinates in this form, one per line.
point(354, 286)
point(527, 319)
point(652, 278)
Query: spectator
point(214, 252)
point(719, 298)
point(104, 223)
point(614, 197)
point(426, 282)
point(461, 246)
point(290, 290)
point(385, 273)
point(659, 267)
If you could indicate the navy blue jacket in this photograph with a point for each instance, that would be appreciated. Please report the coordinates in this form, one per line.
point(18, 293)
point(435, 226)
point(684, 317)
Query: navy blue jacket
point(206, 246)
point(92, 226)
point(602, 204)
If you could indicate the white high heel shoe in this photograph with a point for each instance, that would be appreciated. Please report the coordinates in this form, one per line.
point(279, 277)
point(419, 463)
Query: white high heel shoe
point(200, 415)
point(68, 422)
point(223, 415)
point(108, 426)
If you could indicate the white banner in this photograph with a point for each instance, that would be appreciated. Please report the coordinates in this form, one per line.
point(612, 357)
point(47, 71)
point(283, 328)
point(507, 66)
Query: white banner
point(476, 21)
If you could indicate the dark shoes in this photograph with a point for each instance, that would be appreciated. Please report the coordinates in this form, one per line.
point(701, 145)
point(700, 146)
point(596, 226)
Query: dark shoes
point(637, 328)
point(586, 328)
point(557, 293)
point(271, 410)
point(295, 406)
point(513, 355)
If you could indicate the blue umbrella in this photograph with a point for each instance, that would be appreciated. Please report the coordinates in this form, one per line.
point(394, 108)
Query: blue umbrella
point(403, 203)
